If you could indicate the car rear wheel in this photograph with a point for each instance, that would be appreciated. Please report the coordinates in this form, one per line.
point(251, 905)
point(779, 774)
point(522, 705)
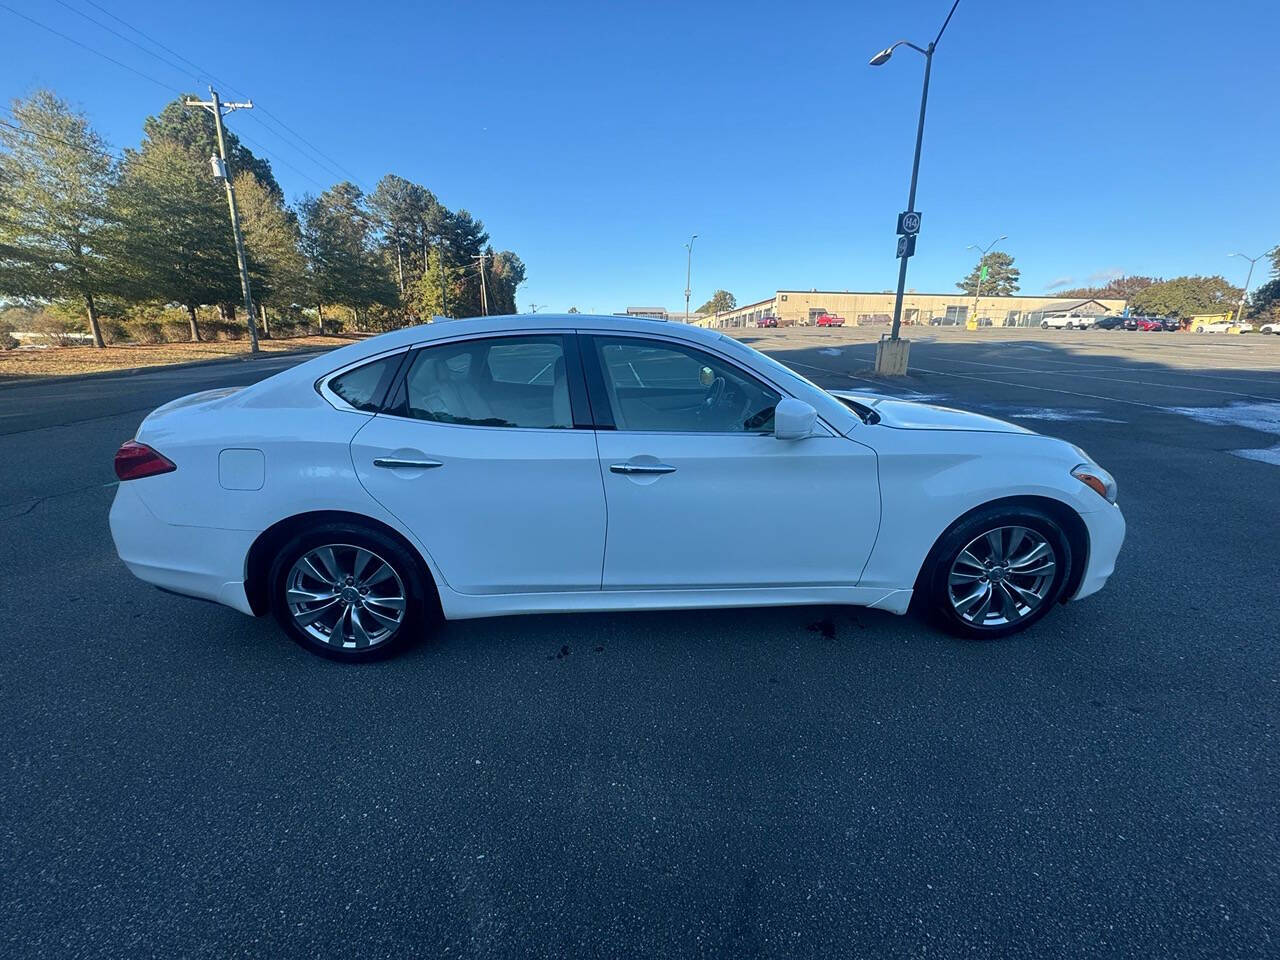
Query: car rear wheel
point(1044, 324)
point(348, 593)
point(997, 572)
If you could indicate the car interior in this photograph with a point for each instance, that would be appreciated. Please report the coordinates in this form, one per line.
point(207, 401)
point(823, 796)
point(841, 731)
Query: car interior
point(506, 382)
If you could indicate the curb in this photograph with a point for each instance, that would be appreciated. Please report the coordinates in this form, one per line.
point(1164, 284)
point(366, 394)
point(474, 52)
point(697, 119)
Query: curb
point(14, 381)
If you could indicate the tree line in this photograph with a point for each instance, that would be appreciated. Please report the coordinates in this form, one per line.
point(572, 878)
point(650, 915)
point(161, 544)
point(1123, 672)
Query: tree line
point(109, 239)
point(1184, 296)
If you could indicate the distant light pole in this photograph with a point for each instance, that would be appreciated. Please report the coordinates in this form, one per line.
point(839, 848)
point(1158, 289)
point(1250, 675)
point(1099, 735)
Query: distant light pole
point(977, 290)
point(1247, 280)
point(881, 58)
point(688, 274)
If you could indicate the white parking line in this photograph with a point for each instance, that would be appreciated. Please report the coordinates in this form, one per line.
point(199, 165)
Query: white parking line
point(1094, 376)
point(840, 373)
point(1031, 386)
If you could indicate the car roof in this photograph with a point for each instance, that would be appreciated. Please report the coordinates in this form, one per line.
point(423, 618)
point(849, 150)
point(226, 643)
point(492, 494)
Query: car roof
point(444, 328)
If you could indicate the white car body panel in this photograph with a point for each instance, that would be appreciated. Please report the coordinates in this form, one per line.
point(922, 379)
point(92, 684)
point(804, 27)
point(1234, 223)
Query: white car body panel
point(724, 517)
point(501, 498)
point(528, 520)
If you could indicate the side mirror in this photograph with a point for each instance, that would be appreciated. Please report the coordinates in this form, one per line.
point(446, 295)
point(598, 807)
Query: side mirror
point(793, 419)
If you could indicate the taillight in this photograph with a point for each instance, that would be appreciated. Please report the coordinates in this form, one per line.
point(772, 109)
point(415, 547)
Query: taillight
point(135, 460)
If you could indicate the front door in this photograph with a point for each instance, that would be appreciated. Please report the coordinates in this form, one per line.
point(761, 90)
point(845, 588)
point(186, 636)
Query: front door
point(701, 494)
point(480, 458)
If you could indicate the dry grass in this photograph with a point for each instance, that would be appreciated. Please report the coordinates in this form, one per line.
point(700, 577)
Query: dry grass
point(63, 361)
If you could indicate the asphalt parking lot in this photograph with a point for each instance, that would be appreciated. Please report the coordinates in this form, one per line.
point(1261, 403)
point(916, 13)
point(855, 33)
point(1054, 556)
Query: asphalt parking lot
point(180, 780)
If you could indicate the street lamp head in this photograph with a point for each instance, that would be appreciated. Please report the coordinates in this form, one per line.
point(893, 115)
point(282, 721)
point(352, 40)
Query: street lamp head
point(883, 56)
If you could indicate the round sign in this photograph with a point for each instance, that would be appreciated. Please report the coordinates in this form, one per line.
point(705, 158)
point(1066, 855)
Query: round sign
point(911, 223)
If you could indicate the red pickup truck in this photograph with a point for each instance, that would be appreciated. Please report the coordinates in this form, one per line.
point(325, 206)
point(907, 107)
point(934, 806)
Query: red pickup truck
point(828, 320)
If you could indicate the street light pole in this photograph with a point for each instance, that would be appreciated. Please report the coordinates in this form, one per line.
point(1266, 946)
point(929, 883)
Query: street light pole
point(688, 275)
point(1248, 279)
point(883, 57)
point(977, 290)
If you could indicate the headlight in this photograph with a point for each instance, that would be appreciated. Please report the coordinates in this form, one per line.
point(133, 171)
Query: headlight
point(1097, 479)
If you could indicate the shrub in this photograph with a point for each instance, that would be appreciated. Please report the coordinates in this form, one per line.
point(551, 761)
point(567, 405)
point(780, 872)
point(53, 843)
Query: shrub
point(7, 340)
point(56, 329)
point(114, 331)
point(145, 331)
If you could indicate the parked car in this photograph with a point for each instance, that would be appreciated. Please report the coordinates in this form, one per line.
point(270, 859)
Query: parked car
point(1171, 324)
point(1108, 322)
point(830, 320)
point(1270, 328)
point(767, 322)
point(1155, 324)
point(1068, 321)
point(504, 465)
point(1215, 326)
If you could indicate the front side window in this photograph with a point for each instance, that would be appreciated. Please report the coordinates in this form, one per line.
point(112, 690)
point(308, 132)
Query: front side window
point(492, 382)
point(659, 386)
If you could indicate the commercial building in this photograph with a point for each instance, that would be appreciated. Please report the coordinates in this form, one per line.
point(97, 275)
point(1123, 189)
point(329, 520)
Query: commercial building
point(659, 313)
point(801, 307)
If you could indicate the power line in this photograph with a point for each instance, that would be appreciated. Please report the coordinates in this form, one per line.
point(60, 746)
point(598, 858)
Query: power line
point(85, 46)
point(339, 166)
point(286, 163)
point(53, 139)
point(128, 40)
point(335, 167)
point(162, 84)
point(169, 50)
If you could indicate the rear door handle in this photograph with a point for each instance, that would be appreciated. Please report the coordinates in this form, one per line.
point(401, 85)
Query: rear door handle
point(395, 462)
point(642, 468)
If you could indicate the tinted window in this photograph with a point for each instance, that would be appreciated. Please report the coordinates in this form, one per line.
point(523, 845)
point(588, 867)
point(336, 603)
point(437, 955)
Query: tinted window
point(363, 387)
point(495, 382)
point(668, 387)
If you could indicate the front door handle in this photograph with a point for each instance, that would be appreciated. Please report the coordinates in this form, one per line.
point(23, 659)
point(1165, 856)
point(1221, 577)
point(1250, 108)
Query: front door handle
point(395, 462)
point(642, 468)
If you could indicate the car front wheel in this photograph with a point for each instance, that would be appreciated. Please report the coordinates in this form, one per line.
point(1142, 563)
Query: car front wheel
point(347, 592)
point(997, 572)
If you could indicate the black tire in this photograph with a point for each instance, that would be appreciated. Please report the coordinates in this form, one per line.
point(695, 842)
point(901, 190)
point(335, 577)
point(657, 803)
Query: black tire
point(1044, 324)
point(933, 586)
point(418, 591)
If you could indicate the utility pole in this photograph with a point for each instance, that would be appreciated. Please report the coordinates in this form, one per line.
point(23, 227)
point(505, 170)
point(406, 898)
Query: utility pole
point(982, 270)
point(484, 289)
point(444, 290)
point(688, 273)
point(1248, 280)
point(215, 106)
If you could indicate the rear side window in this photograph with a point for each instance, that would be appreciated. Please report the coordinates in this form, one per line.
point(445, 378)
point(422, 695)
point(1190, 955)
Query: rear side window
point(363, 387)
point(513, 381)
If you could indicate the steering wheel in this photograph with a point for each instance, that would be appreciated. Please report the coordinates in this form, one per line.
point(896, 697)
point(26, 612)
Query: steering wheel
point(715, 393)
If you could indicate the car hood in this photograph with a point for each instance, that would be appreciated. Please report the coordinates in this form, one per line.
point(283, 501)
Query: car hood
point(909, 415)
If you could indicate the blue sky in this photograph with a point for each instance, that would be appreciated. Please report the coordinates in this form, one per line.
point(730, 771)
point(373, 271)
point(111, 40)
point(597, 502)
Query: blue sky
point(593, 138)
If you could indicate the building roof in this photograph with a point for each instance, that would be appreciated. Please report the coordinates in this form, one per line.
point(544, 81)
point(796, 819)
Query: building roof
point(1069, 305)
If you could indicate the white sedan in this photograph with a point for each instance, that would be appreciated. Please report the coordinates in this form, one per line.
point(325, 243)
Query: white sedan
point(503, 465)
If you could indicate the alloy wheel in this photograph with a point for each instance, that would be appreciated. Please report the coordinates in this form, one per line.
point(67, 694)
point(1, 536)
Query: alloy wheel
point(1002, 576)
point(345, 596)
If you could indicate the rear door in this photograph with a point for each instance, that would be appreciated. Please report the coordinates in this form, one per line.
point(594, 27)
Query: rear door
point(701, 494)
point(486, 453)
